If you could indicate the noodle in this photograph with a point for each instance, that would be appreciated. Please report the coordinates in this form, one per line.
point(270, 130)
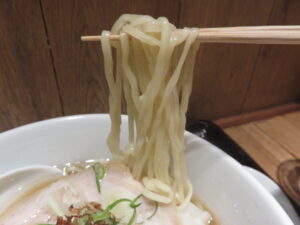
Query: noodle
point(154, 70)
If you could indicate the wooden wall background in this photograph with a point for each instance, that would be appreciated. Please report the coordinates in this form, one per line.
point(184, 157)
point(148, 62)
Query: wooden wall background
point(46, 71)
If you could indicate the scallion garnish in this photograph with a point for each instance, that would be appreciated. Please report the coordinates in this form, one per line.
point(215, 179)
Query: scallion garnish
point(150, 217)
point(106, 213)
point(132, 218)
point(154, 212)
point(133, 205)
point(100, 216)
point(83, 220)
point(99, 174)
point(115, 203)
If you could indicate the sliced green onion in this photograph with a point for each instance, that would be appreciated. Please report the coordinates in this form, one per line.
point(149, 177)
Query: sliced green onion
point(133, 205)
point(132, 218)
point(150, 217)
point(115, 203)
point(100, 216)
point(83, 220)
point(99, 173)
point(154, 212)
point(106, 214)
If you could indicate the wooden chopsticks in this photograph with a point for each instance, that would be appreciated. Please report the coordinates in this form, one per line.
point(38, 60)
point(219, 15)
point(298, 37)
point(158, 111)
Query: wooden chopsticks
point(246, 35)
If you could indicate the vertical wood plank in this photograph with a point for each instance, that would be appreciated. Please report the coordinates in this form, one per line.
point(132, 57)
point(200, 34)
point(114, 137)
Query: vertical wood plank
point(276, 77)
point(79, 65)
point(28, 90)
point(222, 71)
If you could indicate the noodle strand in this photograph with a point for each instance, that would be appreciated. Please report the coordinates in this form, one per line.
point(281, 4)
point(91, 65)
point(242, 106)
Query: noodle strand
point(154, 70)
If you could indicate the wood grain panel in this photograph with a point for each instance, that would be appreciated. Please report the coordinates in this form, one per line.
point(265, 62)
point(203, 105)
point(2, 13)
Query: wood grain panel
point(259, 115)
point(28, 90)
point(293, 118)
point(262, 148)
point(281, 130)
point(79, 65)
point(222, 71)
point(276, 77)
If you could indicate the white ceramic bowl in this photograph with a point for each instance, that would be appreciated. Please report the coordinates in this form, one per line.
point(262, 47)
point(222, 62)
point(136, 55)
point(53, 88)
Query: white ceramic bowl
point(222, 184)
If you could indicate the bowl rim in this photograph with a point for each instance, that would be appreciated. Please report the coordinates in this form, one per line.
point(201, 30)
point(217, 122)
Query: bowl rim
point(35, 125)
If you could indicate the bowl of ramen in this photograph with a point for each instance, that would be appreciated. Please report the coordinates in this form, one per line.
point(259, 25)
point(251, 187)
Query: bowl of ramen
point(223, 189)
point(142, 168)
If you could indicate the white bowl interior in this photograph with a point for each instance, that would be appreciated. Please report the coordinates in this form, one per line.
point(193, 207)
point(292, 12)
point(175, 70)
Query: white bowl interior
point(223, 185)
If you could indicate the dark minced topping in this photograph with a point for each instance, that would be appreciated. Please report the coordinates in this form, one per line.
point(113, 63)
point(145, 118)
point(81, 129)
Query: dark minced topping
point(93, 214)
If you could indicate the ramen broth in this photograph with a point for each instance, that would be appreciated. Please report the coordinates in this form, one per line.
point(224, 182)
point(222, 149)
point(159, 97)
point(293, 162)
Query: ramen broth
point(117, 184)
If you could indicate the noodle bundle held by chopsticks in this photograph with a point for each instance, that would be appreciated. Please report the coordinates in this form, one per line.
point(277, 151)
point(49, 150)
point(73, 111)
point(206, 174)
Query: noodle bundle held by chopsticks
point(154, 70)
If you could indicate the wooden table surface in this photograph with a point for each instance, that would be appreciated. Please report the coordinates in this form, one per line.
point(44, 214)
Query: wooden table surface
point(270, 141)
